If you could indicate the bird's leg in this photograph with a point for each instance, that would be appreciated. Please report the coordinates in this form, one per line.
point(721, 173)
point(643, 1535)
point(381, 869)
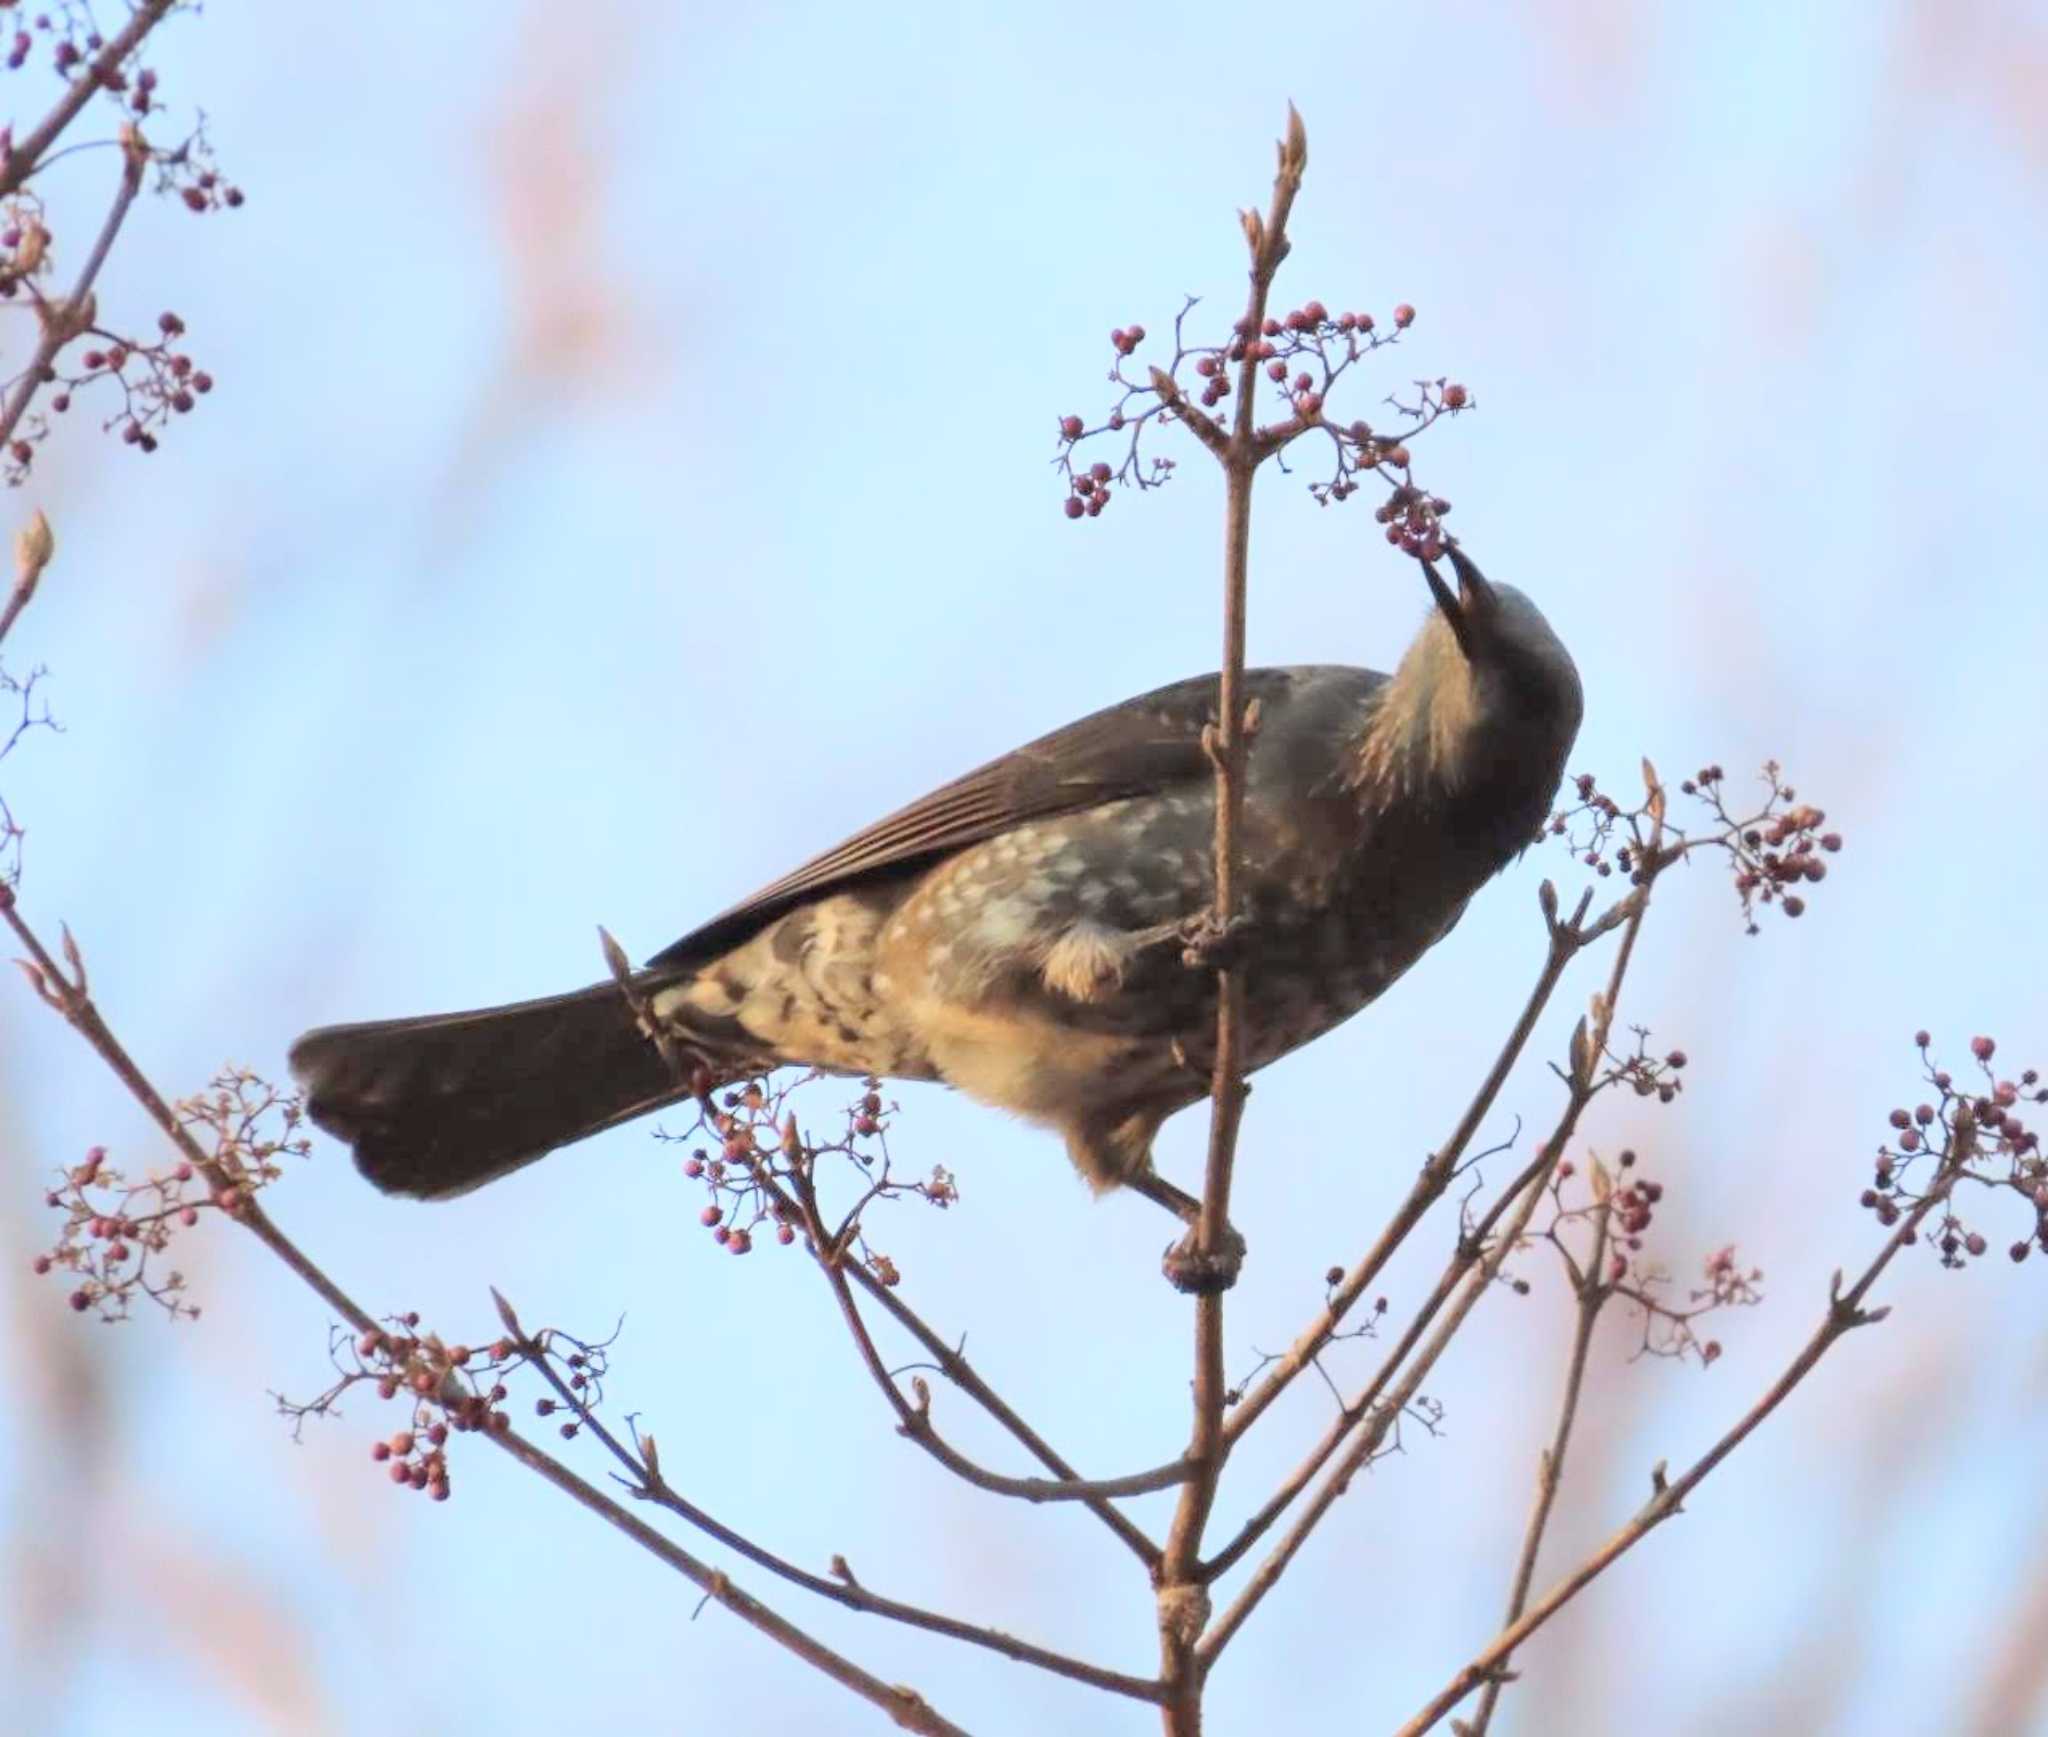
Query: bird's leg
point(1186, 1267)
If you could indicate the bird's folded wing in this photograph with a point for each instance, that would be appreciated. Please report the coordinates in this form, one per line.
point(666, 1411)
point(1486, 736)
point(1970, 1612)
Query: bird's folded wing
point(1145, 746)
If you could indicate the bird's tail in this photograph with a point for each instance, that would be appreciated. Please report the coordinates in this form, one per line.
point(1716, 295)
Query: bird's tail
point(440, 1105)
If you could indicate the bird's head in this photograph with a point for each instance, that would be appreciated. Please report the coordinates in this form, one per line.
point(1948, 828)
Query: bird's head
point(1486, 684)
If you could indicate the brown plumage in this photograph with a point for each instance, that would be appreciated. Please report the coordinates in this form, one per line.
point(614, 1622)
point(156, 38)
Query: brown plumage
point(1018, 932)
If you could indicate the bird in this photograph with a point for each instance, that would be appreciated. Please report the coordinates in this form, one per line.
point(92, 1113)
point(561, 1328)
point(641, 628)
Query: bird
point(1022, 932)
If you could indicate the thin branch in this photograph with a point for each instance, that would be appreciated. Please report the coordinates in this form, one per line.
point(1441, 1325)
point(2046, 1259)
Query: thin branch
point(1593, 1292)
point(26, 157)
point(907, 1707)
point(33, 546)
point(644, 1478)
point(1472, 1246)
point(964, 1376)
point(1566, 940)
point(914, 1420)
point(1070, 1485)
point(1375, 1420)
point(67, 992)
point(62, 321)
point(1183, 1603)
point(1845, 1313)
point(69, 996)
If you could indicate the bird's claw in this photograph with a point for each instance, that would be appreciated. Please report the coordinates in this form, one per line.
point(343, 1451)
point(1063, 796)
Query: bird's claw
point(1196, 1272)
point(1208, 941)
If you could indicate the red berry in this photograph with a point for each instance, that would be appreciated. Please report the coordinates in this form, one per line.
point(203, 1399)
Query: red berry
point(1983, 1048)
point(1316, 312)
point(1099, 471)
point(1404, 315)
point(1455, 396)
point(710, 1215)
point(1074, 508)
point(1070, 426)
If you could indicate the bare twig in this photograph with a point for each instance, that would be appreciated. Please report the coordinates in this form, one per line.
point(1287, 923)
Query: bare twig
point(914, 1419)
point(1066, 1483)
point(1182, 1598)
point(1593, 1292)
point(644, 1478)
point(64, 320)
point(64, 986)
point(1566, 939)
point(26, 157)
point(907, 1707)
point(1845, 1313)
point(962, 1374)
point(1367, 1422)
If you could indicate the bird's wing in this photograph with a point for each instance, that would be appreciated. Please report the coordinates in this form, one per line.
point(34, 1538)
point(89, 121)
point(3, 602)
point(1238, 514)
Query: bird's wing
point(1143, 746)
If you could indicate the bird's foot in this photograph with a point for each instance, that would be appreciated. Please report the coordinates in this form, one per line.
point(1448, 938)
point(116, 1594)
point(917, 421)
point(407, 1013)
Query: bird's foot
point(1196, 1272)
point(1209, 943)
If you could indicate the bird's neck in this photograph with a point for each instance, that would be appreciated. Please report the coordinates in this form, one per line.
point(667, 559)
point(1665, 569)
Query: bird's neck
point(1438, 740)
point(1420, 733)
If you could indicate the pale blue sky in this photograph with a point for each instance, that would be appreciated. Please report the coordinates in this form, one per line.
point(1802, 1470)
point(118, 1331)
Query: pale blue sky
point(627, 475)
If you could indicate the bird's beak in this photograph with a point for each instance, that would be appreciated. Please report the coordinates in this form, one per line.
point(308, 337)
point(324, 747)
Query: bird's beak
point(1467, 609)
point(1473, 590)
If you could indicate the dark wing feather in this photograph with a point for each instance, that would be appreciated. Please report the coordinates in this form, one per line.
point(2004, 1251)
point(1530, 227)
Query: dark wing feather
point(1142, 746)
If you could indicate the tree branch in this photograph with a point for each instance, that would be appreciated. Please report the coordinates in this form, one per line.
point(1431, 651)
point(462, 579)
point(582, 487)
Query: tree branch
point(1368, 1422)
point(1183, 1601)
point(1566, 940)
point(1593, 1292)
point(1845, 1313)
point(26, 157)
point(907, 1707)
point(643, 1477)
point(62, 321)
